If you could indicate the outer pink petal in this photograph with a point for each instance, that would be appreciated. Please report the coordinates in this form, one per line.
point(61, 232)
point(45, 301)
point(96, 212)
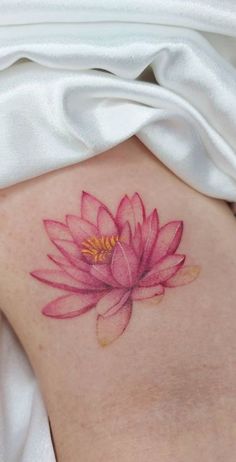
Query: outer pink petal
point(103, 273)
point(168, 240)
point(185, 275)
point(124, 264)
point(60, 280)
point(80, 229)
point(111, 327)
point(112, 301)
point(141, 293)
point(106, 223)
point(138, 207)
point(163, 270)
point(71, 305)
point(71, 251)
point(89, 207)
point(137, 240)
point(149, 236)
point(125, 213)
point(57, 230)
point(63, 261)
point(125, 235)
point(84, 277)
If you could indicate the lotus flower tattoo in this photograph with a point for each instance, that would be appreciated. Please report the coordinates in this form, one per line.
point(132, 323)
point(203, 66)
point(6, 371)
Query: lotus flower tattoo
point(108, 262)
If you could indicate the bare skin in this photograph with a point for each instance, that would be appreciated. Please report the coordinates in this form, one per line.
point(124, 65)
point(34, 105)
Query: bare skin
point(166, 389)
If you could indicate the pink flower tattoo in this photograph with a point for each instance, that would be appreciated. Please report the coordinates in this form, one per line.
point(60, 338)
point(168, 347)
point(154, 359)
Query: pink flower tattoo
point(108, 261)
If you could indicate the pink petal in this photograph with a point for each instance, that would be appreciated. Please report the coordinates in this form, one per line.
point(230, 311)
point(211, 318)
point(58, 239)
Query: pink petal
point(112, 301)
point(185, 275)
point(138, 208)
point(89, 207)
point(137, 240)
point(125, 235)
point(111, 327)
point(149, 236)
point(83, 277)
point(71, 305)
point(57, 230)
point(103, 273)
point(125, 213)
point(163, 270)
point(106, 223)
point(168, 240)
point(80, 229)
point(63, 261)
point(141, 293)
point(124, 265)
point(71, 251)
point(60, 280)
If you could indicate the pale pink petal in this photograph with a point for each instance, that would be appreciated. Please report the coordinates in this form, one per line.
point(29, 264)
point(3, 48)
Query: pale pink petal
point(137, 240)
point(57, 230)
point(138, 207)
point(63, 261)
point(112, 301)
point(163, 270)
point(125, 213)
point(185, 275)
point(168, 240)
point(60, 280)
point(80, 229)
point(125, 235)
point(141, 293)
point(89, 207)
point(111, 327)
point(106, 223)
point(149, 236)
point(103, 273)
point(72, 252)
point(124, 265)
point(71, 305)
point(84, 277)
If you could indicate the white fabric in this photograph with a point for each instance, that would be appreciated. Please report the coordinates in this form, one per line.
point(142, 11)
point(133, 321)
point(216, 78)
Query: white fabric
point(100, 72)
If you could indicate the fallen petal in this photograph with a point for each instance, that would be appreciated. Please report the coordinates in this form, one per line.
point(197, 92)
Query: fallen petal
point(90, 207)
point(168, 241)
point(112, 301)
point(124, 265)
point(163, 270)
point(111, 327)
point(71, 305)
point(185, 275)
point(142, 293)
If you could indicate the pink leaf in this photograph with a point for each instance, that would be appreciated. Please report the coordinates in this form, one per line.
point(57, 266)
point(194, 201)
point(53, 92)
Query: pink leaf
point(185, 275)
point(141, 293)
point(89, 207)
point(80, 229)
point(57, 230)
point(168, 240)
point(163, 270)
point(112, 301)
point(125, 213)
point(124, 265)
point(71, 305)
point(106, 223)
point(125, 235)
point(103, 273)
point(60, 280)
point(111, 327)
point(149, 236)
point(138, 208)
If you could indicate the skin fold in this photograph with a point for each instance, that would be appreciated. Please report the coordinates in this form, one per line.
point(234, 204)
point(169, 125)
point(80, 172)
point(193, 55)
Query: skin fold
point(165, 390)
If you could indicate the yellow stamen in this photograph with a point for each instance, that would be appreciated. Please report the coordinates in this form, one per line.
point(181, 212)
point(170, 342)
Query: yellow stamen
point(99, 249)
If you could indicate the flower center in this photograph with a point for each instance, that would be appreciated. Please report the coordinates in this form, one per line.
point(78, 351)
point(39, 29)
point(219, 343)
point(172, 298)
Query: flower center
point(99, 249)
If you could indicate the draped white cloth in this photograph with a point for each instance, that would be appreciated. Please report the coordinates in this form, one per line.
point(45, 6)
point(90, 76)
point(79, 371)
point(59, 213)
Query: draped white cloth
point(96, 73)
